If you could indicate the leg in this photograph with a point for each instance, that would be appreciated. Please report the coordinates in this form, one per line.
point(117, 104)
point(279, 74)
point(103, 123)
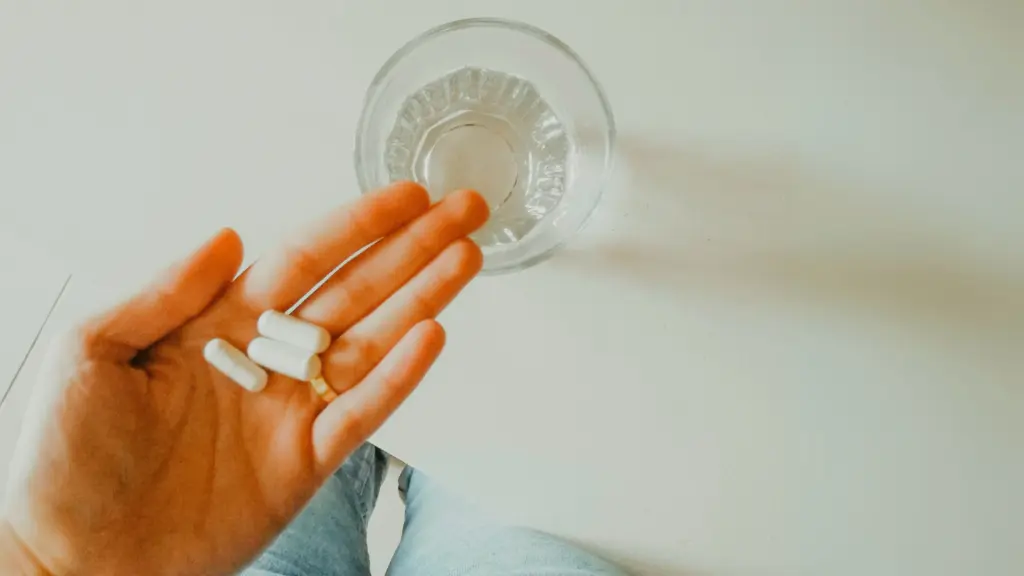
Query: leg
point(329, 536)
point(442, 535)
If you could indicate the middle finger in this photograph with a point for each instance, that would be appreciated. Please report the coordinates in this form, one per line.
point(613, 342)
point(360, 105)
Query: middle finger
point(361, 285)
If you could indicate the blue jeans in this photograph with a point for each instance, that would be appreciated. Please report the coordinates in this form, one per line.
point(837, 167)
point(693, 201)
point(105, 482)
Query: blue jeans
point(441, 534)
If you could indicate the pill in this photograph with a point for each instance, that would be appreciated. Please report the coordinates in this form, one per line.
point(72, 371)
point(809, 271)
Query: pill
point(284, 358)
point(289, 329)
point(234, 364)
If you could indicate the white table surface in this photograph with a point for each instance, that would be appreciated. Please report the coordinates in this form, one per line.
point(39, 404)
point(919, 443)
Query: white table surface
point(30, 286)
point(792, 339)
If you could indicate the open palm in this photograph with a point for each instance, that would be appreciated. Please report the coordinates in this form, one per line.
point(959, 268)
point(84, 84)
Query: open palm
point(139, 458)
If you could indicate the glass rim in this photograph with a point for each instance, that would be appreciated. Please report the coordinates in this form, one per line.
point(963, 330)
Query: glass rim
point(378, 83)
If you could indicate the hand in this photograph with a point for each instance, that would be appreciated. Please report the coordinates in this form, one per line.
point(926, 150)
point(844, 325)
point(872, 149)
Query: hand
point(139, 458)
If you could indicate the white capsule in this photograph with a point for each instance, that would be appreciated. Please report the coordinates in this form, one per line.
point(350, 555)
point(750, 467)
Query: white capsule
point(298, 333)
point(231, 362)
point(284, 358)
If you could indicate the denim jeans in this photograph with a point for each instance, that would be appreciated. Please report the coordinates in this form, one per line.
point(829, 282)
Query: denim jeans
point(442, 535)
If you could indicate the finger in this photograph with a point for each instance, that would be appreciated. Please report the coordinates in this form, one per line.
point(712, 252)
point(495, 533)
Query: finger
point(350, 419)
point(374, 275)
point(288, 273)
point(182, 292)
point(353, 354)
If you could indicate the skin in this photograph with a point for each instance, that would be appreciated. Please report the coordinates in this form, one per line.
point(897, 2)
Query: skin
point(140, 458)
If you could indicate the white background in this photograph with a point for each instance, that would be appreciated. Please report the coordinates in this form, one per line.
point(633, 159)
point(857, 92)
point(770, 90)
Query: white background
point(791, 341)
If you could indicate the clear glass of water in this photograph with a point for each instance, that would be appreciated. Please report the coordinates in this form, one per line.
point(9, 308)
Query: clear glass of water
point(500, 107)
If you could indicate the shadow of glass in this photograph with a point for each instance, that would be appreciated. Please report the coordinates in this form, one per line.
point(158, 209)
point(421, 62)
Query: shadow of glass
point(756, 228)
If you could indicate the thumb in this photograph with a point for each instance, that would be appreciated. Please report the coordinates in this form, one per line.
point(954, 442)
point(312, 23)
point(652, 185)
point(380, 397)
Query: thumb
point(179, 294)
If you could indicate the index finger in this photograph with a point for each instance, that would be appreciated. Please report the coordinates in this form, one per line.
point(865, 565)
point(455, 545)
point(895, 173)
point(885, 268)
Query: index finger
point(285, 275)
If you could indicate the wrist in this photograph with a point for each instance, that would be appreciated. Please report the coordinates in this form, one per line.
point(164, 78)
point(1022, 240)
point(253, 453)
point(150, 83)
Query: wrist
point(15, 558)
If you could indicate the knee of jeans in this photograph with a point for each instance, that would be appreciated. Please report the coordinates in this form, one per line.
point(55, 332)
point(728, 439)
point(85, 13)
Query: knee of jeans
point(366, 455)
point(404, 479)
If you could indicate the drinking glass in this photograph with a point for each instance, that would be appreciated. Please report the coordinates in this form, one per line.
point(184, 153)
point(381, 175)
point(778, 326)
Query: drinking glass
point(500, 107)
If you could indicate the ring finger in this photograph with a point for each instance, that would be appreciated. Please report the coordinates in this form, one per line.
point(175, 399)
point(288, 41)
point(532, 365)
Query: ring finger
point(354, 354)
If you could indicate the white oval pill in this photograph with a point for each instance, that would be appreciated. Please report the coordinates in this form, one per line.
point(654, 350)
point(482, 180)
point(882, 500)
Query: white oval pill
point(298, 333)
point(284, 358)
point(234, 364)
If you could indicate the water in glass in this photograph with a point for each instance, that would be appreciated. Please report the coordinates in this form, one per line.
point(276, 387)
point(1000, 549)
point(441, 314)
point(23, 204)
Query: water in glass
point(489, 131)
